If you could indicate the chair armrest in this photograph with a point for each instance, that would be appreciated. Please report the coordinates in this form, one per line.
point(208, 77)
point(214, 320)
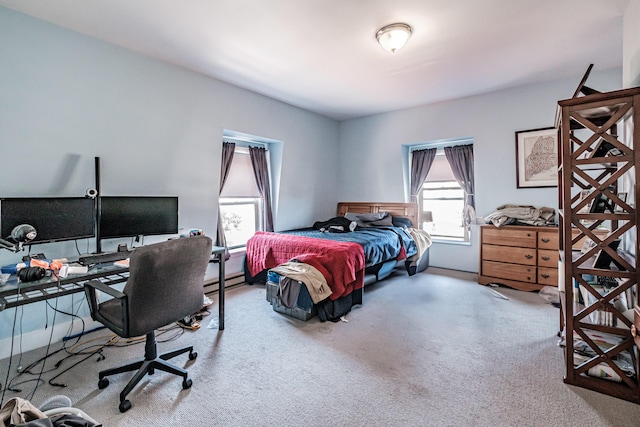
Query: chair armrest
point(90, 290)
point(98, 285)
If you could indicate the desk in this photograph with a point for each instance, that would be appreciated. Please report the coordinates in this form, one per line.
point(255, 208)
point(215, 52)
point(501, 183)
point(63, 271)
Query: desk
point(14, 293)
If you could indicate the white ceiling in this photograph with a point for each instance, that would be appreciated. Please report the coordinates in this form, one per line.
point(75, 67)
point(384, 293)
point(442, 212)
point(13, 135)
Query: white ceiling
point(321, 55)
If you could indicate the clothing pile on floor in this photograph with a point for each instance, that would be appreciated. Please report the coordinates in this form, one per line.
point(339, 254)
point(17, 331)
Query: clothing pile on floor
point(55, 412)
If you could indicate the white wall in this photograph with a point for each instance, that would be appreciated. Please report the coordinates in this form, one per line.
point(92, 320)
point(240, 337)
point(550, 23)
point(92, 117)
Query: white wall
point(631, 45)
point(67, 98)
point(371, 155)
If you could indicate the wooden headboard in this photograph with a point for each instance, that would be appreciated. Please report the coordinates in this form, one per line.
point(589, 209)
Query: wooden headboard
point(407, 210)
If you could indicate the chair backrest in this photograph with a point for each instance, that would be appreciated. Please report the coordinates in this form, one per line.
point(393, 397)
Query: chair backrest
point(166, 282)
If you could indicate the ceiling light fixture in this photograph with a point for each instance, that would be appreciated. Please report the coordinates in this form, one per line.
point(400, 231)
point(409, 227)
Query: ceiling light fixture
point(393, 36)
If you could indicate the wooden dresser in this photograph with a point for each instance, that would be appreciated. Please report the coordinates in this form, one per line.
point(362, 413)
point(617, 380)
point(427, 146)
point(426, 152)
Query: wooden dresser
point(521, 257)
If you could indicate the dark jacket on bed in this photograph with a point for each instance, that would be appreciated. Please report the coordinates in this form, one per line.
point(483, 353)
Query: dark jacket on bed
point(338, 224)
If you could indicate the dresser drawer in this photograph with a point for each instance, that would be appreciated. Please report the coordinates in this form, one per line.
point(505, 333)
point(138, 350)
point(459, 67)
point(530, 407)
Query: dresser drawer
point(509, 254)
point(501, 270)
point(506, 237)
point(548, 258)
point(548, 240)
point(548, 276)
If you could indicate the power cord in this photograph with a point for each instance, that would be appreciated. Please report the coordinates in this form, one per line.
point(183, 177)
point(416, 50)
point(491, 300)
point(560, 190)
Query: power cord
point(100, 357)
point(53, 323)
point(13, 331)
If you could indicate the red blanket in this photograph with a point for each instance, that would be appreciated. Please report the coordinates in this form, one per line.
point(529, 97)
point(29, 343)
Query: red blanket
point(342, 263)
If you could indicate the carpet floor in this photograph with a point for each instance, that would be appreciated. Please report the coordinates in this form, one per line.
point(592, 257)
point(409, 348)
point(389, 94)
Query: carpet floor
point(436, 349)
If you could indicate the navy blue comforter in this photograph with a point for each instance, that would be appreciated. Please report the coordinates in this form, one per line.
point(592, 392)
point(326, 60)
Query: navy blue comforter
point(379, 243)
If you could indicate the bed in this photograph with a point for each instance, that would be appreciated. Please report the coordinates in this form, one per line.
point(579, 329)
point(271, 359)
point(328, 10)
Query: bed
point(348, 260)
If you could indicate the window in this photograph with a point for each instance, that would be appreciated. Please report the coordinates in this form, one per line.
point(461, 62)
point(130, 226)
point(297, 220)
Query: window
point(241, 218)
point(241, 204)
point(441, 199)
point(441, 206)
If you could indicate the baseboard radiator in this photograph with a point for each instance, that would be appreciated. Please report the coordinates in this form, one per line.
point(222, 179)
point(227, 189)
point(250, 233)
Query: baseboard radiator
point(231, 280)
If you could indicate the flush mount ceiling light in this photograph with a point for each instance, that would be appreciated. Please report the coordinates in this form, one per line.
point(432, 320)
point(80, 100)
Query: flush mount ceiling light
point(393, 36)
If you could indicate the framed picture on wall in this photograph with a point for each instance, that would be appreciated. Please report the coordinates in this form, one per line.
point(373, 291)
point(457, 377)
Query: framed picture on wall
point(537, 158)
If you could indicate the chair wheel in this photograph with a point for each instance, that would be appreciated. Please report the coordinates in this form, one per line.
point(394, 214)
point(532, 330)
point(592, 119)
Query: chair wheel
point(103, 383)
point(193, 355)
point(125, 405)
point(151, 371)
point(186, 383)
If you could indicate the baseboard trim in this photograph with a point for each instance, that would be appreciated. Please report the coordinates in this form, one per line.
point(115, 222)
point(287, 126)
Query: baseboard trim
point(41, 337)
point(229, 282)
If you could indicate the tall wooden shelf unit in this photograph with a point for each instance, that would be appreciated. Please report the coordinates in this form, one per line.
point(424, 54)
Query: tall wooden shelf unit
point(588, 129)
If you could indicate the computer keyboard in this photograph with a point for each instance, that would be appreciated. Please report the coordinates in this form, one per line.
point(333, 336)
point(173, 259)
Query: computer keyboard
point(104, 257)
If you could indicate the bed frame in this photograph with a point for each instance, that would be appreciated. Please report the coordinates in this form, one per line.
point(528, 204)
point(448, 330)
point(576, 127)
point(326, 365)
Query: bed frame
point(406, 210)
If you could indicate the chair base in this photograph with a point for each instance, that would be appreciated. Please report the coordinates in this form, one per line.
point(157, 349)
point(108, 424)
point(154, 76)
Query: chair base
point(150, 363)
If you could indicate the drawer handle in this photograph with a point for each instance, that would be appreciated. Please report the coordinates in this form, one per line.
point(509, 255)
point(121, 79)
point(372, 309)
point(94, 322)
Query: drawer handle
point(545, 276)
point(528, 256)
point(546, 258)
point(546, 240)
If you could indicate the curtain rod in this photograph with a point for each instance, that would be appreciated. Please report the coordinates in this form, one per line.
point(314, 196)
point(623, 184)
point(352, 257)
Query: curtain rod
point(440, 144)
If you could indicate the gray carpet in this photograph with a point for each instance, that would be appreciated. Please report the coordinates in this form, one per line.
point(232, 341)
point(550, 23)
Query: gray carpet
point(433, 350)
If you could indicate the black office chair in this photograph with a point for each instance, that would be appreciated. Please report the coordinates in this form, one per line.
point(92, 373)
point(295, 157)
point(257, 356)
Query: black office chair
point(165, 284)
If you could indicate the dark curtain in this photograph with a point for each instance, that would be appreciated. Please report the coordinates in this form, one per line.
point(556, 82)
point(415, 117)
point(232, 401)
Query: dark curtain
point(421, 161)
point(261, 172)
point(460, 159)
point(228, 148)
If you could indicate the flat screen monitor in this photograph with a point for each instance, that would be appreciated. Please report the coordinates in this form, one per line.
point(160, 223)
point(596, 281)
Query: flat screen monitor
point(54, 218)
point(129, 216)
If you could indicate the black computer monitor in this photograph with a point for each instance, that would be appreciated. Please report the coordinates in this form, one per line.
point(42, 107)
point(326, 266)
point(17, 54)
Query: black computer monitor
point(54, 218)
point(129, 216)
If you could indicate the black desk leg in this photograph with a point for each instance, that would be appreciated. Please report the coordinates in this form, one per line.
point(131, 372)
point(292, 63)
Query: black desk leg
point(221, 292)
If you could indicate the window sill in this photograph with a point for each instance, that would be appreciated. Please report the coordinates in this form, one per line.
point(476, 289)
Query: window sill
point(451, 242)
point(237, 252)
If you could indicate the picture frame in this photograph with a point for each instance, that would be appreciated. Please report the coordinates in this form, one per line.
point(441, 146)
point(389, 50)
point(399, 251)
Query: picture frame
point(587, 206)
point(537, 158)
point(603, 260)
point(601, 203)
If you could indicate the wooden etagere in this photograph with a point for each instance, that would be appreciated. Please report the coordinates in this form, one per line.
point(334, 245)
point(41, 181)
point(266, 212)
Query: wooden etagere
point(593, 162)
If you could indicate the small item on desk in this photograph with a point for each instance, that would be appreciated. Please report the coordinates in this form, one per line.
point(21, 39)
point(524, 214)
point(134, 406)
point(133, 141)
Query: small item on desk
point(67, 269)
point(31, 274)
point(33, 256)
point(12, 268)
point(193, 232)
point(122, 263)
point(47, 264)
point(104, 258)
